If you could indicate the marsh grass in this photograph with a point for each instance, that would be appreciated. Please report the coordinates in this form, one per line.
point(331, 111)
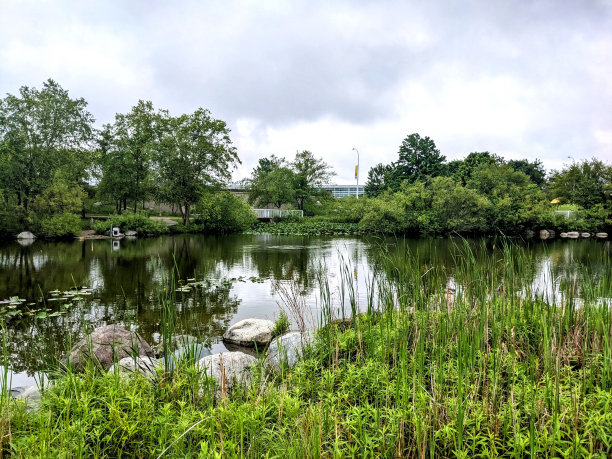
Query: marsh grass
point(468, 360)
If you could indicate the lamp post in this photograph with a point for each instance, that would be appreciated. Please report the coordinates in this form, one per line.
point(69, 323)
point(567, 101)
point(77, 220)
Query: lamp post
point(357, 175)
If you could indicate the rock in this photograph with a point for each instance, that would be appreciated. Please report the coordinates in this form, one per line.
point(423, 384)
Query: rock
point(250, 332)
point(529, 234)
point(107, 345)
point(544, 234)
point(585, 234)
point(176, 342)
point(189, 354)
point(31, 396)
point(602, 235)
point(228, 369)
point(287, 348)
point(573, 235)
point(127, 366)
point(563, 235)
point(25, 235)
point(131, 233)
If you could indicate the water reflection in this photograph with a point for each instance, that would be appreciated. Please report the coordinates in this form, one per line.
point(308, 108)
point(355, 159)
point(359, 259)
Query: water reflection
point(126, 278)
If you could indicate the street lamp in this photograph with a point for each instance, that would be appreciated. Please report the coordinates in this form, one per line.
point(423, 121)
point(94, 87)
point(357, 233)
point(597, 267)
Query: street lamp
point(357, 175)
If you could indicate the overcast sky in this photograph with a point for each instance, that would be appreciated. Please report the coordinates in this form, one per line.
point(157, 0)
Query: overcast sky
point(523, 79)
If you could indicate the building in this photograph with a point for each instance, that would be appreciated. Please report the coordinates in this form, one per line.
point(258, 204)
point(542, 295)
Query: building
point(342, 191)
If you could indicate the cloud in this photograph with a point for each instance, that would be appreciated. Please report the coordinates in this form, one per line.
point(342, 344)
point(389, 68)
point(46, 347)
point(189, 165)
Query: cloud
point(521, 79)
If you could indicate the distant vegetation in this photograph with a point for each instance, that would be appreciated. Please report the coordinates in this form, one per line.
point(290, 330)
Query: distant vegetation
point(57, 168)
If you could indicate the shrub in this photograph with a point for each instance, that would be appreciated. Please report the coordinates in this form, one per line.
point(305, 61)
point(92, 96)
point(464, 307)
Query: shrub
point(224, 213)
point(131, 222)
point(60, 225)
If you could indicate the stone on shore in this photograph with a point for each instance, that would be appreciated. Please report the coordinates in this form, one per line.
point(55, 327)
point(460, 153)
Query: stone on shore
point(25, 235)
point(175, 342)
point(107, 345)
point(189, 354)
point(585, 234)
point(250, 332)
point(573, 234)
point(287, 349)
point(31, 396)
point(127, 366)
point(602, 235)
point(228, 369)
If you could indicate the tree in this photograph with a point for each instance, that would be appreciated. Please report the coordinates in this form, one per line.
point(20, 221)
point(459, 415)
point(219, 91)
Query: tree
point(535, 170)
point(310, 174)
point(586, 183)
point(42, 132)
point(461, 170)
point(194, 154)
point(378, 179)
point(126, 158)
point(272, 182)
point(418, 158)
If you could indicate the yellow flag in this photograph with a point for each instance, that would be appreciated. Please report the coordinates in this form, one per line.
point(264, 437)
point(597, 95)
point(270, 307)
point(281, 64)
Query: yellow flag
point(356, 171)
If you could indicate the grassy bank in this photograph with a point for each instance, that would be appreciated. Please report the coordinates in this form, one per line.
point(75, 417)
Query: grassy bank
point(494, 367)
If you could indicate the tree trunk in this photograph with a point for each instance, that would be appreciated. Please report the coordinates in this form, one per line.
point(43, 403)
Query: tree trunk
point(186, 214)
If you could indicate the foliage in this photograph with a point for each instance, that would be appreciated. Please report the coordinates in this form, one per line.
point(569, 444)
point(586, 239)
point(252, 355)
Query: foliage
point(272, 182)
point(42, 133)
point(129, 221)
point(126, 156)
point(224, 213)
point(418, 158)
point(307, 228)
point(462, 170)
point(194, 155)
point(60, 225)
point(282, 324)
point(534, 170)
point(379, 179)
point(310, 174)
point(59, 198)
point(586, 184)
point(348, 209)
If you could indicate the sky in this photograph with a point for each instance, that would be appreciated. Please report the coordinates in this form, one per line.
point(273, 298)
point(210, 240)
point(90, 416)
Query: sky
point(521, 79)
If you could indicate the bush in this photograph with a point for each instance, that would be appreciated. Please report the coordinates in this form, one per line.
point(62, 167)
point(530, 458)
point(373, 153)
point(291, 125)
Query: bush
point(62, 225)
point(224, 213)
point(131, 222)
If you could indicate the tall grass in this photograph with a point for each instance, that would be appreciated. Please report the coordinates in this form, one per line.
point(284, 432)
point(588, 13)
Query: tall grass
point(471, 359)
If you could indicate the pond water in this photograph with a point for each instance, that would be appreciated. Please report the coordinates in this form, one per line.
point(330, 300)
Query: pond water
point(126, 279)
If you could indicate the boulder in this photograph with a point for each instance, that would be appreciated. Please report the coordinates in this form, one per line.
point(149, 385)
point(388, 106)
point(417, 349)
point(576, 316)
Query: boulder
point(131, 233)
point(250, 332)
point(563, 235)
point(585, 234)
point(544, 234)
point(176, 342)
point(25, 235)
point(573, 235)
point(107, 345)
point(228, 369)
point(287, 349)
point(127, 366)
point(188, 354)
point(602, 235)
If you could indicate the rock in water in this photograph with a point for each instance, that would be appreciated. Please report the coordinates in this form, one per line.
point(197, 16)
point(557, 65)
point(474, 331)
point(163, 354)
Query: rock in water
point(107, 345)
point(287, 348)
point(146, 366)
point(131, 233)
point(25, 235)
point(188, 355)
point(601, 235)
point(228, 369)
point(250, 332)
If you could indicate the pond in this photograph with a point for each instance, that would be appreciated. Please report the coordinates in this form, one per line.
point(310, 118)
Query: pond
point(125, 281)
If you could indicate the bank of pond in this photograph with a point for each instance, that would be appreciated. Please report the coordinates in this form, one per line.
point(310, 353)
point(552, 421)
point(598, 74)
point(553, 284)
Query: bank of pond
point(360, 348)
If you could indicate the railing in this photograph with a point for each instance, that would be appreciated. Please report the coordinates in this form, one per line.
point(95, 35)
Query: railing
point(275, 213)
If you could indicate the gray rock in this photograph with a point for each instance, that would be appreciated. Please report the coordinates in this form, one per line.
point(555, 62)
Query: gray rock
point(563, 235)
point(287, 349)
point(544, 234)
point(573, 235)
point(250, 332)
point(131, 233)
point(602, 235)
point(107, 345)
point(31, 396)
point(188, 354)
point(228, 369)
point(176, 342)
point(585, 234)
point(127, 366)
point(25, 235)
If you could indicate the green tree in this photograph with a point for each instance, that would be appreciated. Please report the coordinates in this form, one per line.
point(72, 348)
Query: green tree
point(310, 174)
point(272, 182)
point(42, 132)
point(126, 155)
point(534, 169)
point(418, 159)
point(585, 183)
point(461, 170)
point(378, 181)
point(194, 154)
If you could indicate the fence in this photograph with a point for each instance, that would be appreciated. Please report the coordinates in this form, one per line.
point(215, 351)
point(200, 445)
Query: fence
point(265, 214)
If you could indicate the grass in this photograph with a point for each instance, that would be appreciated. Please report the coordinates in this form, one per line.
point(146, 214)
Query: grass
point(306, 227)
point(491, 368)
